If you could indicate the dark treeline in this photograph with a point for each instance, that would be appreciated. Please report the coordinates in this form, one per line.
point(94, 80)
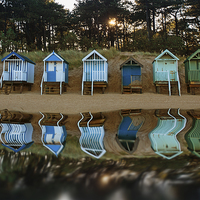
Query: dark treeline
point(143, 25)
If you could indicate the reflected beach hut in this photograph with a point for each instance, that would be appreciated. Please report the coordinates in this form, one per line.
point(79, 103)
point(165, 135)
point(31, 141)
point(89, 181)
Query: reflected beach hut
point(53, 132)
point(165, 71)
point(192, 137)
point(192, 71)
point(163, 137)
point(92, 134)
point(126, 137)
point(131, 73)
point(16, 130)
point(55, 75)
point(95, 72)
point(18, 71)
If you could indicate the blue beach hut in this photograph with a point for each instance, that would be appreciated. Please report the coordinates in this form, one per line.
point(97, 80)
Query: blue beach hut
point(131, 73)
point(92, 134)
point(18, 71)
point(55, 75)
point(16, 137)
point(127, 132)
point(165, 71)
point(95, 72)
point(53, 136)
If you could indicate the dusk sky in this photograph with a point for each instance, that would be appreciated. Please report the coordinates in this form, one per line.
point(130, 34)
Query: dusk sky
point(69, 4)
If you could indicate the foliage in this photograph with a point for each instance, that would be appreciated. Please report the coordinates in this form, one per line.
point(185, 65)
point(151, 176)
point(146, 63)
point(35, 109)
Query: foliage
point(142, 25)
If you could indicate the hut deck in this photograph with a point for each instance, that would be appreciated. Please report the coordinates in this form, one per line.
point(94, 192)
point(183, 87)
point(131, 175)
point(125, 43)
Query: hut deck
point(53, 87)
point(14, 86)
point(173, 84)
point(192, 85)
point(132, 89)
point(96, 84)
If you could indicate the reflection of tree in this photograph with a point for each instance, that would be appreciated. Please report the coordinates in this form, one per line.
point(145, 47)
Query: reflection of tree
point(24, 175)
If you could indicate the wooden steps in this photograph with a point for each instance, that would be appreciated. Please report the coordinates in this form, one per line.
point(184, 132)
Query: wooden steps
point(96, 121)
point(96, 84)
point(6, 88)
point(53, 88)
point(14, 87)
point(173, 84)
point(132, 89)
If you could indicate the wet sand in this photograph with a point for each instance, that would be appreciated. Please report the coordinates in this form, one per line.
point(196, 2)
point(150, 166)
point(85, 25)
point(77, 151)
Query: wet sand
point(75, 103)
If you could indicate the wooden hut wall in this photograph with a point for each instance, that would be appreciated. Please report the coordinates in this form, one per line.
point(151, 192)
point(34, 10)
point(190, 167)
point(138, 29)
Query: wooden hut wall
point(66, 67)
point(99, 69)
point(30, 72)
point(128, 71)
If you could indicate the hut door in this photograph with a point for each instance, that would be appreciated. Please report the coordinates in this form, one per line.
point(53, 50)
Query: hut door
point(59, 72)
point(172, 75)
point(51, 72)
point(17, 73)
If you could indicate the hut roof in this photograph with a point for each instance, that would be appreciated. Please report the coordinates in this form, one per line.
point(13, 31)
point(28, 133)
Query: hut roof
point(166, 52)
point(24, 58)
point(55, 57)
point(94, 52)
point(131, 59)
point(193, 55)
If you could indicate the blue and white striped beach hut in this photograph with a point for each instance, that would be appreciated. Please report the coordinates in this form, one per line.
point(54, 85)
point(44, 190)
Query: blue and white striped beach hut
point(165, 71)
point(53, 137)
point(17, 70)
point(16, 137)
point(55, 75)
point(95, 72)
point(91, 139)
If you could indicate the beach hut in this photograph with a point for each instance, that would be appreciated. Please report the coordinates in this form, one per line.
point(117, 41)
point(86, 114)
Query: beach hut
point(192, 71)
point(92, 134)
point(163, 137)
point(53, 132)
point(55, 75)
point(95, 72)
point(16, 137)
point(131, 73)
point(18, 71)
point(165, 71)
point(127, 132)
point(192, 137)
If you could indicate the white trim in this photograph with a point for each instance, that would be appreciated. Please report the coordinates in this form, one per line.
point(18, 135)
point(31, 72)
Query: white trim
point(94, 51)
point(164, 52)
point(55, 55)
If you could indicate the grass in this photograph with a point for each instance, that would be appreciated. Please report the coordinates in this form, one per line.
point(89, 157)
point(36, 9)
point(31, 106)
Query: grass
point(74, 58)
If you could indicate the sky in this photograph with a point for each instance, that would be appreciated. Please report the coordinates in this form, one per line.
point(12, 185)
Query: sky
point(69, 4)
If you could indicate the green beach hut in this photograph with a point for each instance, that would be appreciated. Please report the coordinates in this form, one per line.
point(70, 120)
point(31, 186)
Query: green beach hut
point(165, 71)
point(192, 71)
point(192, 137)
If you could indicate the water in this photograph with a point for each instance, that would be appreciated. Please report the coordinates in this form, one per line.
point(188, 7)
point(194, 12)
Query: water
point(36, 173)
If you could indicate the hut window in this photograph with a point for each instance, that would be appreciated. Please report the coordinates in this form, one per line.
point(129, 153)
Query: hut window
point(165, 63)
point(51, 67)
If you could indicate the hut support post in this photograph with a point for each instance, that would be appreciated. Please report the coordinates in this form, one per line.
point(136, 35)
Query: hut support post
point(179, 86)
point(169, 85)
point(83, 78)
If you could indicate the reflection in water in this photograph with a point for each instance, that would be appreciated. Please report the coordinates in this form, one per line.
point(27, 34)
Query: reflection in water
point(53, 134)
point(193, 135)
point(92, 134)
point(35, 173)
point(16, 131)
point(163, 137)
point(130, 124)
point(30, 176)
